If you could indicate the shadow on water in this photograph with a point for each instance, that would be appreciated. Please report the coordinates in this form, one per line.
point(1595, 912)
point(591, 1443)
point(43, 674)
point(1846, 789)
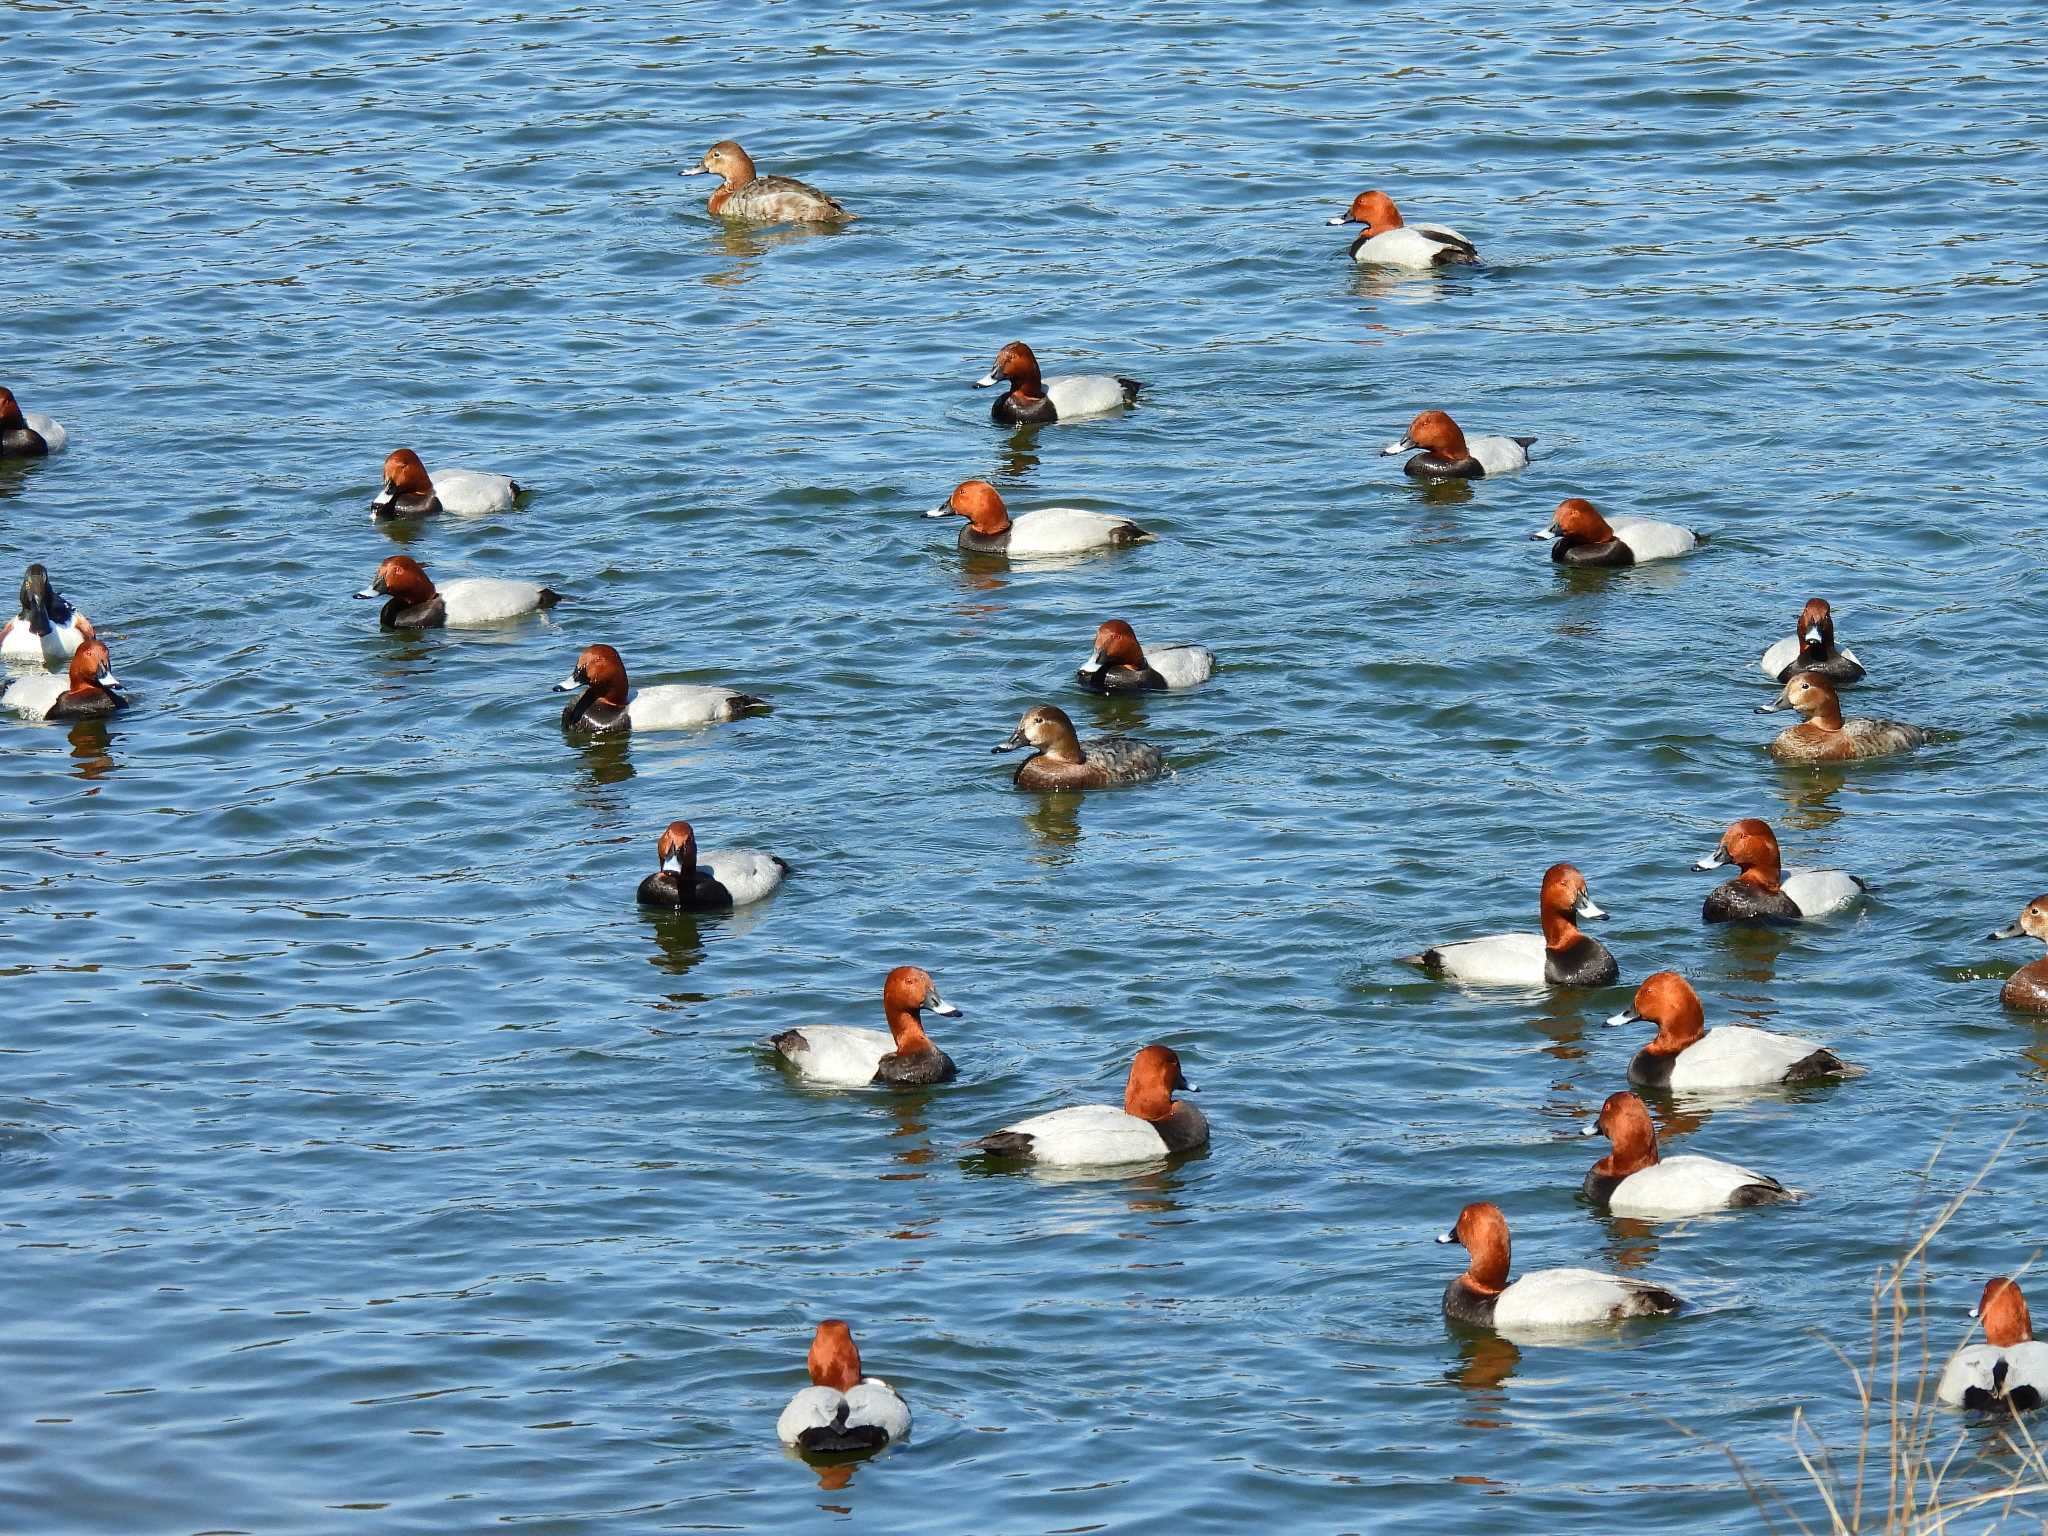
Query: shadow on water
point(678, 941)
point(910, 1143)
point(607, 760)
point(1561, 1017)
point(1485, 1363)
point(91, 754)
point(1055, 820)
point(745, 244)
point(1751, 949)
point(1808, 790)
point(1019, 454)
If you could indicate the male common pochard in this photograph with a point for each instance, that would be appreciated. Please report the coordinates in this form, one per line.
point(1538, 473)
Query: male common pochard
point(87, 692)
point(27, 434)
point(48, 628)
point(1447, 454)
point(841, 1410)
point(1151, 1124)
point(1824, 736)
point(1559, 956)
point(714, 880)
point(601, 705)
point(1030, 401)
point(2027, 988)
point(751, 198)
point(1387, 241)
point(416, 603)
point(1687, 1056)
point(2009, 1370)
point(1632, 1180)
point(1765, 892)
point(1545, 1299)
point(1585, 538)
point(1118, 664)
point(1064, 761)
point(991, 530)
point(409, 491)
point(844, 1057)
point(1811, 648)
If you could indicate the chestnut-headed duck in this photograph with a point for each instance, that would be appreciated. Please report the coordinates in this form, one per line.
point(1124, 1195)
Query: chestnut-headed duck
point(27, 434)
point(751, 198)
point(1151, 1124)
point(1387, 241)
point(1585, 538)
point(409, 491)
point(1559, 956)
point(2009, 1370)
point(2026, 989)
point(1632, 1180)
point(48, 628)
point(1765, 892)
point(844, 1057)
point(1118, 664)
point(1811, 648)
point(1824, 736)
point(991, 530)
point(1064, 761)
point(1447, 454)
point(416, 603)
point(87, 692)
point(841, 1410)
point(1029, 401)
point(714, 880)
point(601, 705)
point(1687, 1056)
point(1545, 1299)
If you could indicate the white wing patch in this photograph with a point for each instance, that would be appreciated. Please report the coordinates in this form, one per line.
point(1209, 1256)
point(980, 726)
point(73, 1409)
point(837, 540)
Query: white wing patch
point(1062, 531)
point(472, 492)
point(746, 873)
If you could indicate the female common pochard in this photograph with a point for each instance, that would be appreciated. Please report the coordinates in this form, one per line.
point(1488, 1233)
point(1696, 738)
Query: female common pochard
point(1632, 1180)
point(1387, 241)
point(1686, 1056)
point(416, 603)
point(87, 692)
point(1824, 736)
point(748, 197)
point(841, 1411)
point(48, 628)
point(1118, 664)
point(27, 434)
point(1545, 1299)
point(715, 880)
point(1030, 401)
point(1447, 454)
point(1152, 1123)
point(844, 1057)
point(2026, 989)
point(1811, 648)
point(1765, 892)
point(409, 491)
point(1064, 761)
point(1559, 956)
point(2009, 1370)
point(991, 530)
point(1585, 538)
point(602, 706)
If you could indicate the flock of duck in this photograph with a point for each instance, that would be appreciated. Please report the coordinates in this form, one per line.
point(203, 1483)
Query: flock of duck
point(845, 1411)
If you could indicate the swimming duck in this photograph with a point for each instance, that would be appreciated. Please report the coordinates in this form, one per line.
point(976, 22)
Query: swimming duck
point(602, 705)
point(87, 692)
point(48, 628)
point(1151, 1124)
point(1765, 893)
point(990, 529)
point(844, 1057)
point(1687, 1056)
point(1449, 455)
point(1559, 956)
point(1029, 401)
point(416, 603)
point(1118, 664)
point(2026, 989)
point(1386, 241)
point(1585, 538)
point(1824, 736)
point(1631, 1180)
point(756, 199)
point(27, 434)
point(1544, 1299)
point(1811, 648)
point(2009, 1370)
point(1063, 761)
point(712, 881)
point(409, 491)
point(841, 1410)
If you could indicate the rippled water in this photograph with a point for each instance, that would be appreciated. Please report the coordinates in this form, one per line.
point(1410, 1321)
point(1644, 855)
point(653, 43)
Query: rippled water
point(369, 1162)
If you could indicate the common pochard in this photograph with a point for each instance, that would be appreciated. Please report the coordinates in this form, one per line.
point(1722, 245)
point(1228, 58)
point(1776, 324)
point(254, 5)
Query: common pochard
point(2026, 989)
point(48, 628)
point(903, 1054)
point(1064, 761)
point(841, 1411)
point(1811, 648)
point(1151, 1124)
point(409, 491)
point(27, 434)
point(1030, 401)
point(714, 880)
point(1765, 892)
point(87, 692)
point(1824, 736)
point(1585, 538)
point(1387, 241)
point(416, 603)
point(1559, 956)
point(2009, 1370)
point(745, 195)
point(1632, 1180)
point(1447, 454)
point(1686, 1056)
point(1118, 664)
point(991, 530)
point(1545, 1300)
point(601, 704)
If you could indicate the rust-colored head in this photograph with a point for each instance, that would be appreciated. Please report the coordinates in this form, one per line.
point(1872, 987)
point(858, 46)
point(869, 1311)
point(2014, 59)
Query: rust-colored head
point(1668, 1001)
point(599, 667)
point(676, 849)
point(405, 475)
point(834, 1361)
point(1116, 645)
point(1018, 365)
point(91, 670)
point(733, 166)
point(1752, 847)
point(1813, 696)
point(978, 502)
point(1375, 210)
point(1148, 1091)
point(1046, 727)
point(1484, 1232)
point(1816, 625)
point(10, 409)
point(2032, 921)
point(1577, 518)
point(402, 577)
point(906, 993)
point(1437, 433)
point(1562, 902)
point(1626, 1125)
point(2004, 1311)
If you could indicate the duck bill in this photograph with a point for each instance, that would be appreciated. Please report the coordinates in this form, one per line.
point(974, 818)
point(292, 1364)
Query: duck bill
point(1547, 532)
point(1626, 1016)
point(988, 380)
point(1782, 701)
point(1448, 1237)
point(937, 1004)
point(1584, 907)
point(1342, 218)
point(568, 684)
point(1405, 445)
point(370, 592)
point(1713, 860)
point(1016, 740)
point(2009, 931)
point(1590, 1128)
point(943, 509)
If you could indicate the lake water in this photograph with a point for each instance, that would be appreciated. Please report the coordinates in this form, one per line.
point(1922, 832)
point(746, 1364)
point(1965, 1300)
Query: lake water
point(368, 1161)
